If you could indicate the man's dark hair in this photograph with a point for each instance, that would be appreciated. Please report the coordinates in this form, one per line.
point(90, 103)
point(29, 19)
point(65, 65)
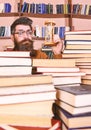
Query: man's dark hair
point(21, 21)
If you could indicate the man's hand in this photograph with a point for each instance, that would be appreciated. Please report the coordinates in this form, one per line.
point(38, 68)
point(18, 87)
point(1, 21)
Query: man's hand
point(58, 47)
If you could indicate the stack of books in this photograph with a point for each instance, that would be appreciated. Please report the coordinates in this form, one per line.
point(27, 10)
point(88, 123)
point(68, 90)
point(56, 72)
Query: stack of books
point(63, 71)
point(25, 99)
point(73, 107)
point(78, 47)
point(85, 66)
point(77, 44)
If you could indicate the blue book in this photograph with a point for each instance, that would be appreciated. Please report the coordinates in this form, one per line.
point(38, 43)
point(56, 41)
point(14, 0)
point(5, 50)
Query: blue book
point(24, 7)
point(32, 8)
point(7, 7)
point(41, 8)
point(61, 32)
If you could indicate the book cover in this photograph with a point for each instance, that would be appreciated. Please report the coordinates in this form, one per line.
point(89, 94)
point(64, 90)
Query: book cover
point(76, 96)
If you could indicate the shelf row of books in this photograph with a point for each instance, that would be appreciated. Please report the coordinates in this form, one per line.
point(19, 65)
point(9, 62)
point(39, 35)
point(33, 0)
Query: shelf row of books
point(81, 9)
point(41, 31)
point(43, 8)
point(38, 31)
point(5, 31)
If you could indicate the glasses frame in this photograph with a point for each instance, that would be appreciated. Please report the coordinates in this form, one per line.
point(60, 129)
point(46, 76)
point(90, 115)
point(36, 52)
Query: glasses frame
point(22, 32)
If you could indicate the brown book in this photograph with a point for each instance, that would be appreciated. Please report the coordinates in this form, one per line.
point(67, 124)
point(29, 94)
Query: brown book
point(86, 81)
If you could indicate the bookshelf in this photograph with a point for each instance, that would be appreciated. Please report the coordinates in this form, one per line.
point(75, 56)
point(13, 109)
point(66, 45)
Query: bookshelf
point(66, 19)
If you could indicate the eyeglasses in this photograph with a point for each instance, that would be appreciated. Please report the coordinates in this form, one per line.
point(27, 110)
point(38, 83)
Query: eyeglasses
point(21, 33)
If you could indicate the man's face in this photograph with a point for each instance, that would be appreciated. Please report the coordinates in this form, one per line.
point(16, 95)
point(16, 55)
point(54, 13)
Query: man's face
point(23, 38)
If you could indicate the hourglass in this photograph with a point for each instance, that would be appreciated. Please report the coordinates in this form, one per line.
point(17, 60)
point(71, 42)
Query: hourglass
point(49, 33)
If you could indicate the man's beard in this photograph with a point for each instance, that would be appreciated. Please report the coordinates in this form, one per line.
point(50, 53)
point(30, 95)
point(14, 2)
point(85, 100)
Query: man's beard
point(25, 45)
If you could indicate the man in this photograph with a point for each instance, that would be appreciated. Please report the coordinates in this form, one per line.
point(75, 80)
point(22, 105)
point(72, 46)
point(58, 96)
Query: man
point(21, 34)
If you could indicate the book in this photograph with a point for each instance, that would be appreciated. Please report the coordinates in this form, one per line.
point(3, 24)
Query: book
point(64, 127)
point(58, 69)
point(78, 32)
point(15, 61)
point(70, 51)
point(55, 125)
point(75, 95)
point(78, 37)
point(26, 120)
point(76, 55)
point(53, 62)
point(78, 46)
point(38, 108)
point(86, 70)
point(84, 66)
point(7, 7)
point(24, 80)
point(71, 109)
point(87, 76)
point(15, 70)
point(86, 81)
point(72, 121)
point(83, 63)
point(1, 7)
point(19, 89)
point(15, 54)
point(58, 80)
point(78, 42)
point(27, 97)
point(86, 60)
point(66, 74)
